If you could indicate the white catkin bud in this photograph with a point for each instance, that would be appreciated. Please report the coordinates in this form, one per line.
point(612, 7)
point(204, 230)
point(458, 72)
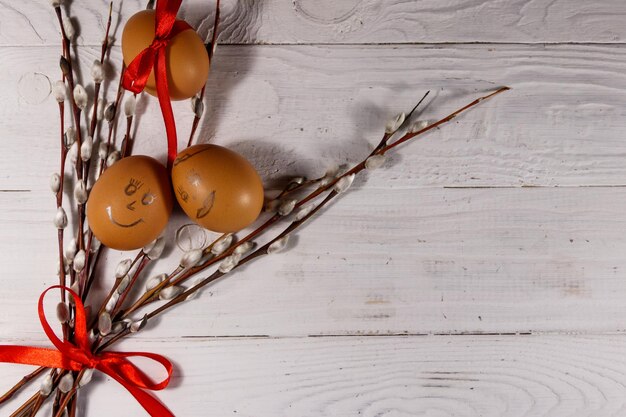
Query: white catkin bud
point(103, 150)
point(375, 162)
point(66, 383)
point(155, 281)
point(104, 323)
point(72, 154)
point(191, 258)
point(170, 292)
point(221, 246)
point(138, 325)
point(100, 110)
point(123, 284)
point(113, 158)
point(112, 302)
point(118, 327)
point(86, 378)
point(59, 90)
point(70, 32)
point(197, 106)
point(80, 192)
point(123, 267)
point(157, 249)
point(395, 123)
point(46, 386)
point(79, 261)
point(74, 287)
point(304, 211)
point(60, 219)
point(243, 248)
point(278, 245)
point(55, 183)
point(343, 184)
point(63, 312)
point(129, 106)
point(70, 250)
point(80, 96)
point(331, 173)
point(86, 148)
point(229, 263)
point(95, 244)
point(417, 126)
point(69, 136)
point(109, 112)
point(286, 207)
point(97, 72)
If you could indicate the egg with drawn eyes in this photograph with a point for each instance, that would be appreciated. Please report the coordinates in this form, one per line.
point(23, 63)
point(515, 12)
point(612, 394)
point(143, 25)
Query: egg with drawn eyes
point(217, 188)
point(130, 204)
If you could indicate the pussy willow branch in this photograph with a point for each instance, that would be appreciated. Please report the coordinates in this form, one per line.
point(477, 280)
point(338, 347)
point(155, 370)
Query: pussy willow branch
point(23, 382)
point(76, 112)
point(263, 250)
point(41, 399)
point(83, 277)
point(59, 200)
point(97, 85)
point(380, 149)
point(210, 48)
point(152, 295)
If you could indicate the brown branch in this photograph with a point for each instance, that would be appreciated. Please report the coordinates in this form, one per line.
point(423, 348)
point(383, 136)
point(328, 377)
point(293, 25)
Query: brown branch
point(23, 382)
point(210, 48)
point(381, 149)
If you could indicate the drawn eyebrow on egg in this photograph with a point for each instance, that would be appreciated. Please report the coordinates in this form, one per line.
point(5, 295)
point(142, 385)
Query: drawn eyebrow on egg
point(183, 158)
point(207, 205)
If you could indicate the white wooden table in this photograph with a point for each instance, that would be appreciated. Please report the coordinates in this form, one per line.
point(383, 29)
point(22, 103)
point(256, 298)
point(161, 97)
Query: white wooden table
point(482, 273)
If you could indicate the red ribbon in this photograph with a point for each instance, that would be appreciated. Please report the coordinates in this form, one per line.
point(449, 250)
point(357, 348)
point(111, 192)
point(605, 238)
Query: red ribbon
point(76, 357)
point(137, 73)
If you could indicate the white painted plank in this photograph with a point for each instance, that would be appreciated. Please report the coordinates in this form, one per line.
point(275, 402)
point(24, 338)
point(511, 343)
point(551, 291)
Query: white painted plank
point(385, 262)
point(348, 21)
point(513, 376)
point(295, 109)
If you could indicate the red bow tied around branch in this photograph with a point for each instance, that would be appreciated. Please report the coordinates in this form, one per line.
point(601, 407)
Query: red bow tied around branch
point(153, 57)
point(78, 356)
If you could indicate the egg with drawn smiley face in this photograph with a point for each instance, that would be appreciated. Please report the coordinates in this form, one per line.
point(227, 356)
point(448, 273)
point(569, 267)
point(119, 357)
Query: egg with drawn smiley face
point(217, 188)
point(130, 204)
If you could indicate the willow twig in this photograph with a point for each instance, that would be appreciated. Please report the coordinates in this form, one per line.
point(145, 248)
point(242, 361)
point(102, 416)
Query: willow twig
point(23, 382)
point(210, 48)
point(263, 250)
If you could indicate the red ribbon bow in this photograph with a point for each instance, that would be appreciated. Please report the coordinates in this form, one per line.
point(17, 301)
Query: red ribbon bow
point(137, 73)
point(76, 357)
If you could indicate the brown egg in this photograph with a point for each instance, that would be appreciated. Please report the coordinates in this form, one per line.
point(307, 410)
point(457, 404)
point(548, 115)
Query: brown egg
point(130, 204)
point(217, 188)
point(186, 57)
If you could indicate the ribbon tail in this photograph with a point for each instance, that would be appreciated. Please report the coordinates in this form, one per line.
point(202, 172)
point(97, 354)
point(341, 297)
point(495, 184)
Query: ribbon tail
point(27, 355)
point(153, 406)
point(160, 73)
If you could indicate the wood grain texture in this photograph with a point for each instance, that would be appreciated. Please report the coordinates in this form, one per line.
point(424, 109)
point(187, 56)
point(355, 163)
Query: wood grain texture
point(479, 274)
point(488, 376)
point(347, 21)
point(561, 125)
point(399, 261)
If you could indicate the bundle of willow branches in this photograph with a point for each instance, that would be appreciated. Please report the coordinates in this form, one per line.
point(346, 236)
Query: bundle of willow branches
point(85, 153)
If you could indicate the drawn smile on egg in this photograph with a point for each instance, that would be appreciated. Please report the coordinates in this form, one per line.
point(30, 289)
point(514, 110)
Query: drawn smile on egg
point(115, 222)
